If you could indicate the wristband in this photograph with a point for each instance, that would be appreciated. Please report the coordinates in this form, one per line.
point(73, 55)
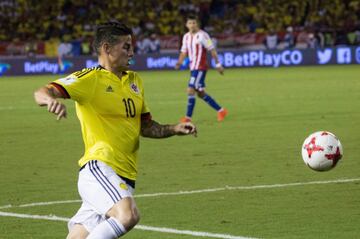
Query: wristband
point(218, 65)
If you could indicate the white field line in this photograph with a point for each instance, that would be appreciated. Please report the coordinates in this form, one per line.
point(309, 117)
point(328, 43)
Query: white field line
point(6, 206)
point(190, 233)
point(266, 186)
point(254, 187)
point(47, 203)
point(49, 217)
point(139, 227)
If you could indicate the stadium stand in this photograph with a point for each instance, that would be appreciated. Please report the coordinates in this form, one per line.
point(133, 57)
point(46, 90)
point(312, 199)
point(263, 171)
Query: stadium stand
point(30, 27)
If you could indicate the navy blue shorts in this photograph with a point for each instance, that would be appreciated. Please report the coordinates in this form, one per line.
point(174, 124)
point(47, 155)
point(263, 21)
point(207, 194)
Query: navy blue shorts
point(197, 80)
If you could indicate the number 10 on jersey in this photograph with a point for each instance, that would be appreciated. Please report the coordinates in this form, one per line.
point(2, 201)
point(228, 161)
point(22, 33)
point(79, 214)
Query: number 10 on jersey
point(129, 107)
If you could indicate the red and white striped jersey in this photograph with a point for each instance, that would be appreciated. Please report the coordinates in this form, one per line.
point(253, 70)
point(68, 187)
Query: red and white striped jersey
point(196, 46)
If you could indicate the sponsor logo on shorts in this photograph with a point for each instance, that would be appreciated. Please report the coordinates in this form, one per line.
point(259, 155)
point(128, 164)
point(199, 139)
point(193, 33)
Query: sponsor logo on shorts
point(123, 186)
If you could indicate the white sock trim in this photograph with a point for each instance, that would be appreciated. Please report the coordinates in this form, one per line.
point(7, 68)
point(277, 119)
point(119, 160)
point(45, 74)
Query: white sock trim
point(116, 226)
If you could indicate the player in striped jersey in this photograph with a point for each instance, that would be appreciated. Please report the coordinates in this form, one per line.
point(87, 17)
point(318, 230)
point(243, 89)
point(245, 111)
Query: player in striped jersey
point(111, 107)
point(195, 45)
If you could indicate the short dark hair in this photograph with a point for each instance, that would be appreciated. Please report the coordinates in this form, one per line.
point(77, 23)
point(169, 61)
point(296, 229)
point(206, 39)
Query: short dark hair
point(108, 32)
point(192, 17)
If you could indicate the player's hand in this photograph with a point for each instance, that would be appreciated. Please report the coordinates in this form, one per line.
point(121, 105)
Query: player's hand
point(57, 108)
point(185, 129)
point(220, 69)
point(177, 65)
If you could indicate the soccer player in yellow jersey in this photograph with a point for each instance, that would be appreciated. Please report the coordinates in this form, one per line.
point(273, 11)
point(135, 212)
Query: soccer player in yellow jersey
point(113, 114)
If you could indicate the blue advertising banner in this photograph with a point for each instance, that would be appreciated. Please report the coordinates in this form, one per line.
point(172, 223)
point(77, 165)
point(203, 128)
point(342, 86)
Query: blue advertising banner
point(230, 59)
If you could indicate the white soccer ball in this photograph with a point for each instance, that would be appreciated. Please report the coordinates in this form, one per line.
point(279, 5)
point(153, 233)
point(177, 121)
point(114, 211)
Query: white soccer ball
point(321, 151)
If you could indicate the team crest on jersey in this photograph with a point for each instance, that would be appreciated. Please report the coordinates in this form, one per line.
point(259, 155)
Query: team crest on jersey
point(134, 88)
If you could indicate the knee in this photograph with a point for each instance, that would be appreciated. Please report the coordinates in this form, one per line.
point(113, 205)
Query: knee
point(201, 94)
point(77, 232)
point(127, 215)
point(129, 219)
point(78, 236)
point(74, 237)
point(190, 91)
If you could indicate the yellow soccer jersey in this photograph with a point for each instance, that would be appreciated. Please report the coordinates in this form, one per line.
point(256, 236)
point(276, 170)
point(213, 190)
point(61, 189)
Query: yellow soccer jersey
point(109, 110)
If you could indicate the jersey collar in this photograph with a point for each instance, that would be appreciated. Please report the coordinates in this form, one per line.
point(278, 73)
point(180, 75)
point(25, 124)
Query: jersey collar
point(103, 68)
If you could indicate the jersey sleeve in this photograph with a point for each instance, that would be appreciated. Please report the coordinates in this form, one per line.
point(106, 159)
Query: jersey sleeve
point(207, 42)
point(139, 82)
point(79, 86)
point(183, 45)
point(145, 108)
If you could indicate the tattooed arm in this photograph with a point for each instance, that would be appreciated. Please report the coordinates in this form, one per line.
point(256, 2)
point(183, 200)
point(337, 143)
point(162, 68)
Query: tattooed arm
point(152, 129)
point(48, 96)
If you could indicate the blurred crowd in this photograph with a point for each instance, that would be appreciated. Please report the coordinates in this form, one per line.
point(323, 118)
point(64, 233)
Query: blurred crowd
point(73, 20)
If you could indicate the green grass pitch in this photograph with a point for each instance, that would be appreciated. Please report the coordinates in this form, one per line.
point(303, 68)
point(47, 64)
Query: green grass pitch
point(271, 112)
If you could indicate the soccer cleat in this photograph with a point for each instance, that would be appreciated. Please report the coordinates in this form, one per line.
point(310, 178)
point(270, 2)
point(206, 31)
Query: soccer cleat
point(221, 114)
point(185, 119)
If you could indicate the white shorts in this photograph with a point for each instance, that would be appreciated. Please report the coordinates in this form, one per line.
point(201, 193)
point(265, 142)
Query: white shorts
point(99, 188)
